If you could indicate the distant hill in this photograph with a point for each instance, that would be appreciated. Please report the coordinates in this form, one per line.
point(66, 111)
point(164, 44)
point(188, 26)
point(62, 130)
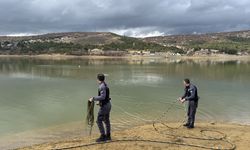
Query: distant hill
point(80, 43)
point(210, 37)
point(73, 37)
point(224, 41)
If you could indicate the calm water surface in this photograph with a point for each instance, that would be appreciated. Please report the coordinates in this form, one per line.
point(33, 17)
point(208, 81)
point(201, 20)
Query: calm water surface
point(48, 97)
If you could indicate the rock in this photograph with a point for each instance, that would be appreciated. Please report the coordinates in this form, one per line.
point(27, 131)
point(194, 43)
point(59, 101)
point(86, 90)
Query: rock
point(212, 123)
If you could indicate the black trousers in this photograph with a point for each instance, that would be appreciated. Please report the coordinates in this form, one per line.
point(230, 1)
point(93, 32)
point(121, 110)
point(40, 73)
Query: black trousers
point(103, 116)
point(192, 106)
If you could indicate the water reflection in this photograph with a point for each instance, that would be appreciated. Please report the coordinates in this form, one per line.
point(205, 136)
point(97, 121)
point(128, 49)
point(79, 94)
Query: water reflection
point(76, 68)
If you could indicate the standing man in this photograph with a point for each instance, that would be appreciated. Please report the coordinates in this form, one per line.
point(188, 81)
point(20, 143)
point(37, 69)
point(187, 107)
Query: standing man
point(190, 95)
point(105, 107)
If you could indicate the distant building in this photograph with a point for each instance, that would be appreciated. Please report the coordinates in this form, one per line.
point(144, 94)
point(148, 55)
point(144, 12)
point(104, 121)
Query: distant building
point(135, 52)
point(202, 52)
point(146, 52)
point(214, 51)
point(96, 52)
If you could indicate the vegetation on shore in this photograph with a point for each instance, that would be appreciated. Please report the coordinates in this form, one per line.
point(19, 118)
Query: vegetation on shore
point(230, 45)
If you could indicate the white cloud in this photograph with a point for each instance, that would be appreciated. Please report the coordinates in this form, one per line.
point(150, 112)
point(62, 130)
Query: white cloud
point(21, 34)
point(138, 32)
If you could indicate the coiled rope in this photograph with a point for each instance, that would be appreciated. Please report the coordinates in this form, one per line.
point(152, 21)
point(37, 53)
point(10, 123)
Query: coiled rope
point(222, 138)
point(90, 115)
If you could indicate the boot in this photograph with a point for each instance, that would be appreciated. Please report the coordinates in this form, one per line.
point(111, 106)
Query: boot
point(186, 124)
point(190, 126)
point(102, 138)
point(108, 137)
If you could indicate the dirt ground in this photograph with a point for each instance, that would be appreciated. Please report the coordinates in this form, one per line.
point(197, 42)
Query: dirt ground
point(204, 135)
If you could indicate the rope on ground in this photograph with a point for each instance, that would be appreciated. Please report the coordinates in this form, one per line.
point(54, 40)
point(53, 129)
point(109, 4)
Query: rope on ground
point(222, 138)
point(148, 141)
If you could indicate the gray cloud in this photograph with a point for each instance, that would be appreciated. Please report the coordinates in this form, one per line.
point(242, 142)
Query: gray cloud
point(130, 17)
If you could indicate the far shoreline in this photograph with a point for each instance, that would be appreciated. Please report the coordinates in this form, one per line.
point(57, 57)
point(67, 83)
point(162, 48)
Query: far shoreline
point(222, 57)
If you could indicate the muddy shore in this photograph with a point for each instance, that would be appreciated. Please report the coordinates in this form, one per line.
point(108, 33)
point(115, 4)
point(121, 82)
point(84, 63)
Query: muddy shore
point(208, 135)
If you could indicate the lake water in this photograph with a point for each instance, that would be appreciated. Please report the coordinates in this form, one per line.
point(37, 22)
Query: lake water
point(46, 99)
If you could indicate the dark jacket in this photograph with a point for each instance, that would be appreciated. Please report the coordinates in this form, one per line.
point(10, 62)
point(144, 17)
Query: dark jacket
point(103, 94)
point(191, 93)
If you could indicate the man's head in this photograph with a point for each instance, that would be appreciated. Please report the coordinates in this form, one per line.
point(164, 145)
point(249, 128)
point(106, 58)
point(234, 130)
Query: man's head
point(186, 82)
point(100, 77)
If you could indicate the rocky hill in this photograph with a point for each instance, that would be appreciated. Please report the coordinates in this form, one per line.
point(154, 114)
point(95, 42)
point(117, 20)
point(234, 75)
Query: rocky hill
point(210, 37)
point(82, 38)
point(81, 43)
point(229, 42)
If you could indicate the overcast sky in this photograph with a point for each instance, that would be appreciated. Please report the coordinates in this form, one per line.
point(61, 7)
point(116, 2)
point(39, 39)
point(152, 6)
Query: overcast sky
point(125, 17)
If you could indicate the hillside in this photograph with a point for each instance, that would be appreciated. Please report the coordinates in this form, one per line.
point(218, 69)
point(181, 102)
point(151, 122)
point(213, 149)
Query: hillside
point(67, 37)
point(82, 43)
point(229, 42)
point(74, 43)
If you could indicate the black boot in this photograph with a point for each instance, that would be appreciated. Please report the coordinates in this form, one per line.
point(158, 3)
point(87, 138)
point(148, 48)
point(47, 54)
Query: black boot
point(102, 138)
point(190, 126)
point(186, 124)
point(108, 137)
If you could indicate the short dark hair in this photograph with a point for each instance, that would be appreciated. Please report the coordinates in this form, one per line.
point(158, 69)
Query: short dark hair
point(101, 77)
point(187, 81)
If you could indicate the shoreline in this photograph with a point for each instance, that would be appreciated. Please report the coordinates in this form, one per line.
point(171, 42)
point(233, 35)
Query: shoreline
point(235, 133)
point(136, 57)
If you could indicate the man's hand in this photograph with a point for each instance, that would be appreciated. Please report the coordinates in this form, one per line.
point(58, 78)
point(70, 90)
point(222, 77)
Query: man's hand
point(179, 99)
point(183, 100)
point(91, 99)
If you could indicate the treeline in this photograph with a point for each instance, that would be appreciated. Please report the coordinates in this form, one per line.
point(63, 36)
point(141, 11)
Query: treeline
point(45, 47)
point(238, 39)
point(128, 43)
point(230, 45)
point(52, 47)
point(24, 47)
